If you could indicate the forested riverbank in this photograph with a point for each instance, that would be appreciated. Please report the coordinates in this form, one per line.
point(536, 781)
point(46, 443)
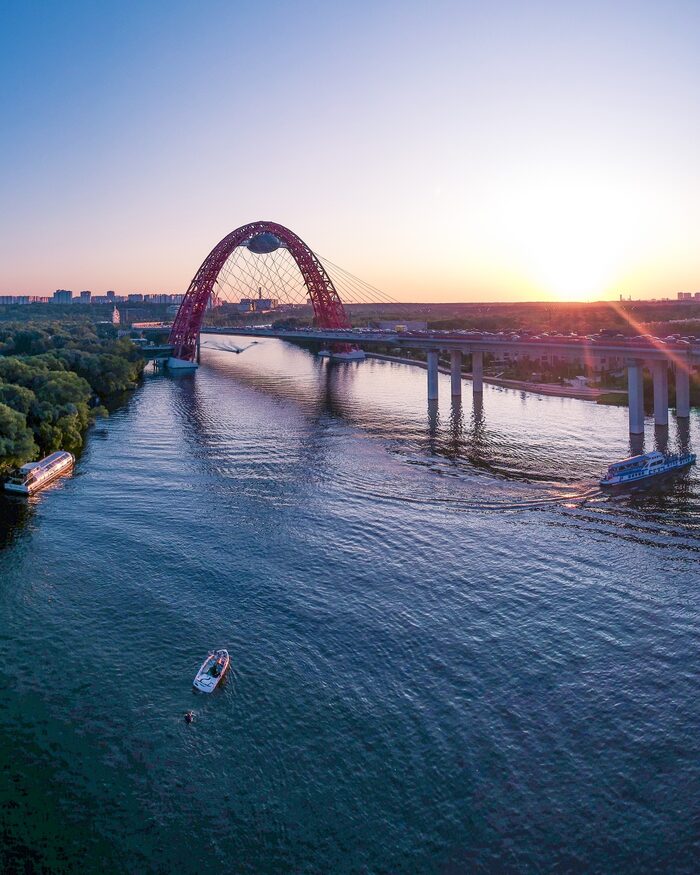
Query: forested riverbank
point(55, 378)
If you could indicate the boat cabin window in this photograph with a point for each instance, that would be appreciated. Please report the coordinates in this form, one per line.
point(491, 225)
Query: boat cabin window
point(627, 466)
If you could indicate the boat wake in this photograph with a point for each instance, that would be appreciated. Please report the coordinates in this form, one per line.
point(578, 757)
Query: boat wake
point(568, 500)
point(471, 492)
point(227, 347)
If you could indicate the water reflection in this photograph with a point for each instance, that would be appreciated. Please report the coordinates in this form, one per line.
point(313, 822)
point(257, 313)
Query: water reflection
point(16, 513)
point(636, 445)
point(433, 424)
point(520, 638)
point(683, 433)
point(661, 438)
point(456, 428)
point(528, 439)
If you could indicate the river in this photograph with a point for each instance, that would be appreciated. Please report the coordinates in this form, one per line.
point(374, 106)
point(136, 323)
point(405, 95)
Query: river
point(450, 652)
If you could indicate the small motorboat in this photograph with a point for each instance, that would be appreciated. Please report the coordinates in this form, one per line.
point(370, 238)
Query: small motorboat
point(213, 669)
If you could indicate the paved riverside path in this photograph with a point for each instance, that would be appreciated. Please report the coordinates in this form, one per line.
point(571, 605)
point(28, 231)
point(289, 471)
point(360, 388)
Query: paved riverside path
point(582, 393)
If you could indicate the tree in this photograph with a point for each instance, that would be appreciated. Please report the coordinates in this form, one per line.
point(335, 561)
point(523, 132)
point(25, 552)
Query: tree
point(16, 440)
point(49, 392)
point(17, 397)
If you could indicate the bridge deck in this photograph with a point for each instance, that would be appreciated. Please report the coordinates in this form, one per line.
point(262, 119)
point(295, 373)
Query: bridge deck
point(574, 348)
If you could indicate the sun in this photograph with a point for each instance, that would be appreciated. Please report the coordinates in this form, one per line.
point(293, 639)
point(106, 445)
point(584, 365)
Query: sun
point(570, 263)
point(568, 237)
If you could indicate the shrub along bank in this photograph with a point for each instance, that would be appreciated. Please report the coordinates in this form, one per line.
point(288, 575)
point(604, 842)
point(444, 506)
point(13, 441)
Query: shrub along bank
point(53, 380)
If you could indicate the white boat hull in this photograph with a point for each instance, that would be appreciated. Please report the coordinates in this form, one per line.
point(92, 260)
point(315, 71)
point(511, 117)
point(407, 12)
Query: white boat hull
point(36, 477)
point(354, 355)
point(648, 474)
point(212, 671)
point(182, 365)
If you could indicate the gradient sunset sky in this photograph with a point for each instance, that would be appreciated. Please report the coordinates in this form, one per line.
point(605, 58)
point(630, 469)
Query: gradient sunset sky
point(441, 151)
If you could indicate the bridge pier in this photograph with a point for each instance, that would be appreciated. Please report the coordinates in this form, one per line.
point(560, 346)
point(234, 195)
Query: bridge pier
point(432, 375)
point(456, 373)
point(660, 374)
point(478, 371)
point(682, 391)
point(635, 397)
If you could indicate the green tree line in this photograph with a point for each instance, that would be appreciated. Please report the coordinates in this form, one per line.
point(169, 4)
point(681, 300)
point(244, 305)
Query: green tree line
point(53, 380)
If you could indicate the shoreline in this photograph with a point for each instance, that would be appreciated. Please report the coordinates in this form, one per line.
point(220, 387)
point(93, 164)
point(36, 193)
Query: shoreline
point(551, 389)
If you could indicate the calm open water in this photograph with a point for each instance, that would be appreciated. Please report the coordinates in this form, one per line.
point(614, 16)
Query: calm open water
point(450, 653)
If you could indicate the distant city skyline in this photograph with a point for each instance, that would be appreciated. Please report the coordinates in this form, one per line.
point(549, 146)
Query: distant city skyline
point(87, 297)
point(442, 152)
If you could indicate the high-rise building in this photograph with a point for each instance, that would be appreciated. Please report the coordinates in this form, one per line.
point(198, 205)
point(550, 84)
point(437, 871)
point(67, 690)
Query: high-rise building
point(162, 299)
point(62, 296)
point(8, 300)
point(257, 305)
point(85, 297)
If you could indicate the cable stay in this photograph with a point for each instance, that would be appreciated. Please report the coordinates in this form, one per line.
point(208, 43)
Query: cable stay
point(276, 277)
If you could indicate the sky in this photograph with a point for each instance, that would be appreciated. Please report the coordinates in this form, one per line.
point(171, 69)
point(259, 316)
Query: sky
point(442, 151)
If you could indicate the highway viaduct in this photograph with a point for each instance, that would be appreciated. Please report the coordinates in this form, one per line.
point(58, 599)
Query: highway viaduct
point(635, 355)
point(655, 354)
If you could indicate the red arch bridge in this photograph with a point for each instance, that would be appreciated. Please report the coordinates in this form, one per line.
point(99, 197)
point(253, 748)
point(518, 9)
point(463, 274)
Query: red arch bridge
point(223, 268)
point(267, 256)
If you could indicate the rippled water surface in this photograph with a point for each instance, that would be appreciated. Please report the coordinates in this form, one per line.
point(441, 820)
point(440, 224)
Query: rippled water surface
point(451, 653)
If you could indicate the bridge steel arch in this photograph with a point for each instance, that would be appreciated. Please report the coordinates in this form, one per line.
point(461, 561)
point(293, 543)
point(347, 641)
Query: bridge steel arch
point(329, 311)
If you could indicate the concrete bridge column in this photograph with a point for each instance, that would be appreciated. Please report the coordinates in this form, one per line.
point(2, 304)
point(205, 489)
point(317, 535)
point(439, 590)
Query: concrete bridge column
point(682, 390)
point(660, 373)
point(635, 397)
point(456, 373)
point(478, 371)
point(432, 375)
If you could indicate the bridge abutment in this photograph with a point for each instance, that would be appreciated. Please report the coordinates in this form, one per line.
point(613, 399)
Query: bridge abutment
point(635, 397)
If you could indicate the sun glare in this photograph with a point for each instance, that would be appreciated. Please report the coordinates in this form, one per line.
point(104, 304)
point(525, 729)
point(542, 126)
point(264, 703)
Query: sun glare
point(569, 239)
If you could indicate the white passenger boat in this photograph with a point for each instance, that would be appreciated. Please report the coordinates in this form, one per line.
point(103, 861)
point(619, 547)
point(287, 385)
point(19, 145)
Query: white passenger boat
point(351, 355)
point(181, 365)
point(642, 467)
point(212, 671)
point(35, 475)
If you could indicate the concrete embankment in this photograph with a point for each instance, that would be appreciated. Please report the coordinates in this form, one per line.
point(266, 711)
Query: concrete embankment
point(582, 393)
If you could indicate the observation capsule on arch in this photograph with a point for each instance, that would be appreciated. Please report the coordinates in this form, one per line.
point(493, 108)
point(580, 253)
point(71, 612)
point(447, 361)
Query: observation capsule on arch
point(264, 243)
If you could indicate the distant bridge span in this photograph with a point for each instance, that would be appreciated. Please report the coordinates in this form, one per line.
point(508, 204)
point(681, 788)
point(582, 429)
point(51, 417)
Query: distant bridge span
point(633, 354)
point(332, 326)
